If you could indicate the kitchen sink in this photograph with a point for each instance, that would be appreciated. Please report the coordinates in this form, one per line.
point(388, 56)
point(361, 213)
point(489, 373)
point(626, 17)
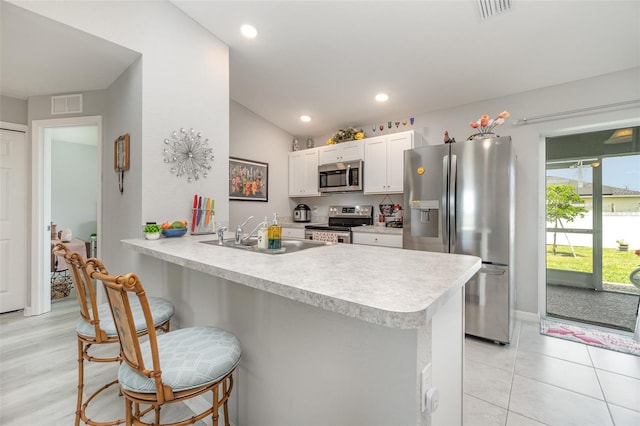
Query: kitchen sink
point(289, 245)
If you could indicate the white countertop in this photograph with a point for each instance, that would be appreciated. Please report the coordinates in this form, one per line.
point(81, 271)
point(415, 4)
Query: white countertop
point(384, 286)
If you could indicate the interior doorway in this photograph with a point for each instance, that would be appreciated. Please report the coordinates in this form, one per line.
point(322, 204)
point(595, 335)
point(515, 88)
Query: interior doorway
point(43, 136)
point(593, 202)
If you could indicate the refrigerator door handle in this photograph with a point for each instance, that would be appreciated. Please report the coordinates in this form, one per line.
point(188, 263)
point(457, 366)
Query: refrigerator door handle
point(452, 202)
point(489, 271)
point(444, 214)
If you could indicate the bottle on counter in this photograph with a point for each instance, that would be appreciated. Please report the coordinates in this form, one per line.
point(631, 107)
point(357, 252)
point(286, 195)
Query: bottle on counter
point(275, 234)
point(263, 234)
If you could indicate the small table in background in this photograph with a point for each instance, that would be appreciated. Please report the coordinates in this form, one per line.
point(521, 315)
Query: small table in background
point(61, 283)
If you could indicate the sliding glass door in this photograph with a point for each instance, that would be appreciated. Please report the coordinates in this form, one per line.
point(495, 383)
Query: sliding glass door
point(593, 226)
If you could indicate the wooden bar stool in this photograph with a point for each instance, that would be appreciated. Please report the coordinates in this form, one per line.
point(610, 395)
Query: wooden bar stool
point(96, 326)
point(171, 367)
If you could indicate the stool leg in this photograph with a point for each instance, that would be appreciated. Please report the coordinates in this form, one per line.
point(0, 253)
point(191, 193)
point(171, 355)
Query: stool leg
point(216, 407)
point(128, 412)
point(80, 379)
point(226, 407)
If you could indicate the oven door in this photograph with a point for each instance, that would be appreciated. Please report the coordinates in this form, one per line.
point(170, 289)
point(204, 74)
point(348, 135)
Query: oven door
point(340, 177)
point(343, 236)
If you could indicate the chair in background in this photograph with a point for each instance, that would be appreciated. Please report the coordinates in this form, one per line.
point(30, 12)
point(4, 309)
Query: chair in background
point(96, 326)
point(171, 367)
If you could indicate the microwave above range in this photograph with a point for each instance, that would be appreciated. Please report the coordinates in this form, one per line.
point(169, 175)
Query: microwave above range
point(341, 177)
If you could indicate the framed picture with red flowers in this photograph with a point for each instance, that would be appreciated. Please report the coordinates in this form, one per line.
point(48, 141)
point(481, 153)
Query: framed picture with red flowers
point(248, 180)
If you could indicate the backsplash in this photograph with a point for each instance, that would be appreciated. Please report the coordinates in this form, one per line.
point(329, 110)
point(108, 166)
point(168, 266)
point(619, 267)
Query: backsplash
point(320, 205)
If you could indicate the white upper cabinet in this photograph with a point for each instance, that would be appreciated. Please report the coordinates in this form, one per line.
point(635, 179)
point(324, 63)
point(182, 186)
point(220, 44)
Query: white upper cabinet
point(345, 151)
point(384, 162)
point(303, 173)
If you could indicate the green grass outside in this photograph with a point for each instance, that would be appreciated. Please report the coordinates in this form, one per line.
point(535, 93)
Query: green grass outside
point(616, 265)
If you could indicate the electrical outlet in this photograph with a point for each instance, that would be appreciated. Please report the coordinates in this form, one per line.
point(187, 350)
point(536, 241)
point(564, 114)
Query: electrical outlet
point(425, 385)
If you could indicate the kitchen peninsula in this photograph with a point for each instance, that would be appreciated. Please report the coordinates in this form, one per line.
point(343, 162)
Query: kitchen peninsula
point(334, 335)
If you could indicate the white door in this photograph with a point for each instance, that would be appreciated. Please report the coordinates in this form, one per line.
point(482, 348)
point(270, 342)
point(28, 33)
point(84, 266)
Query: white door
point(13, 220)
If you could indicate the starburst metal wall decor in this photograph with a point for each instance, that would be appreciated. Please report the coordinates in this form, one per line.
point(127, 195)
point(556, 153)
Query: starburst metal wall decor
point(189, 154)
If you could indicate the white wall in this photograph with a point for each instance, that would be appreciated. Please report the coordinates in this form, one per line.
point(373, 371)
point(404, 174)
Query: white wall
point(253, 138)
point(73, 181)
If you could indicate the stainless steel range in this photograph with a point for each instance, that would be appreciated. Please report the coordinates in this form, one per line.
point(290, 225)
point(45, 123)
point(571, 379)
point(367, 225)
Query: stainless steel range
point(341, 220)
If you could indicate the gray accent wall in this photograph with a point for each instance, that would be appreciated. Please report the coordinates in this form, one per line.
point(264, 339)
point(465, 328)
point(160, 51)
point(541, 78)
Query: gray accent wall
point(253, 138)
point(13, 110)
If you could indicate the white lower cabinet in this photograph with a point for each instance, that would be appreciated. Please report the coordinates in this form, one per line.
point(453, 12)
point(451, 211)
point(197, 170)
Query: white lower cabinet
point(371, 239)
point(293, 232)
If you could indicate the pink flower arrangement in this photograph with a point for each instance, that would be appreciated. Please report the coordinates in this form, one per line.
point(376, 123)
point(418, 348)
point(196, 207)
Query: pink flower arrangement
point(486, 125)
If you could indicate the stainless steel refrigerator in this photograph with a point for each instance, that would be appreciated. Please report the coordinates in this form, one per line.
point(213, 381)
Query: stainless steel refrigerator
point(459, 198)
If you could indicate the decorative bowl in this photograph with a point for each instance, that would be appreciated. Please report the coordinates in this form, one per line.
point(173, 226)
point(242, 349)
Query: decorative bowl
point(177, 232)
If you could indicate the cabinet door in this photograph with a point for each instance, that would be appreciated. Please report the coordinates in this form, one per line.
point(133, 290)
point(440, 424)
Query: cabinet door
point(382, 240)
point(296, 173)
point(293, 233)
point(351, 151)
point(310, 184)
point(303, 173)
point(375, 165)
point(345, 151)
point(396, 145)
point(328, 154)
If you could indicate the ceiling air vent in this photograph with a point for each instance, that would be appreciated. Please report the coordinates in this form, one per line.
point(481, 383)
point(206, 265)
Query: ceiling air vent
point(488, 8)
point(66, 104)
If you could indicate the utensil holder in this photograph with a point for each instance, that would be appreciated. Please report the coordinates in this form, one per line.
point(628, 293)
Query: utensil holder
point(202, 227)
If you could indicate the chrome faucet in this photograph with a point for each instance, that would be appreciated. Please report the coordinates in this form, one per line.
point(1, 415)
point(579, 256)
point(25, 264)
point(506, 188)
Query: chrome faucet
point(244, 239)
point(239, 230)
point(221, 230)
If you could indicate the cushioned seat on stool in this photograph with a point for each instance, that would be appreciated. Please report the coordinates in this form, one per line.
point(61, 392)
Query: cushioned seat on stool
point(189, 358)
point(161, 310)
point(171, 367)
point(96, 326)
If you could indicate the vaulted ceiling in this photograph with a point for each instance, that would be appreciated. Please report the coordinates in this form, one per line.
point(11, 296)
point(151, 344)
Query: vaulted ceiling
point(328, 59)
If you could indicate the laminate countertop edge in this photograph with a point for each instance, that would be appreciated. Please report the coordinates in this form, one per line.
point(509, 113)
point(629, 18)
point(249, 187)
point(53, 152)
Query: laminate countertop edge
point(384, 286)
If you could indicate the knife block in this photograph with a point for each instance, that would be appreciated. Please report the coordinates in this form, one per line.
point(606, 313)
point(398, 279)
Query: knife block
point(202, 227)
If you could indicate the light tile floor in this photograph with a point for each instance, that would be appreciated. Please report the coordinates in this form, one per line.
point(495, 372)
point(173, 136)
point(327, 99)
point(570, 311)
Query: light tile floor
point(542, 380)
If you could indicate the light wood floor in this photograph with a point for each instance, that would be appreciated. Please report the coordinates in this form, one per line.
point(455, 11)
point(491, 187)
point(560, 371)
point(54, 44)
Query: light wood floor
point(39, 372)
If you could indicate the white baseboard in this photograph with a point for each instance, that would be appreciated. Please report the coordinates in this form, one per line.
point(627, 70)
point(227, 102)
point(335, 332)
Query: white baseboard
point(527, 316)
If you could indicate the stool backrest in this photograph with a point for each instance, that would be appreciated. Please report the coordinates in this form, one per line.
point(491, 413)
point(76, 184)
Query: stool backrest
point(118, 289)
point(84, 287)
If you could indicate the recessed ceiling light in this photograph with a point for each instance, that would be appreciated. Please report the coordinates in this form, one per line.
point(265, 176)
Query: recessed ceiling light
point(382, 97)
point(249, 31)
point(305, 118)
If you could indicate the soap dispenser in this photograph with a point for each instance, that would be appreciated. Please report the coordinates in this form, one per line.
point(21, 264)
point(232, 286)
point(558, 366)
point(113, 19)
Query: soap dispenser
point(263, 234)
point(275, 234)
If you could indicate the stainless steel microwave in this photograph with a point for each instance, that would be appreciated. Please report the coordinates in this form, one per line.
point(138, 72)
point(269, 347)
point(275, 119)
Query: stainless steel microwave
point(341, 177)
